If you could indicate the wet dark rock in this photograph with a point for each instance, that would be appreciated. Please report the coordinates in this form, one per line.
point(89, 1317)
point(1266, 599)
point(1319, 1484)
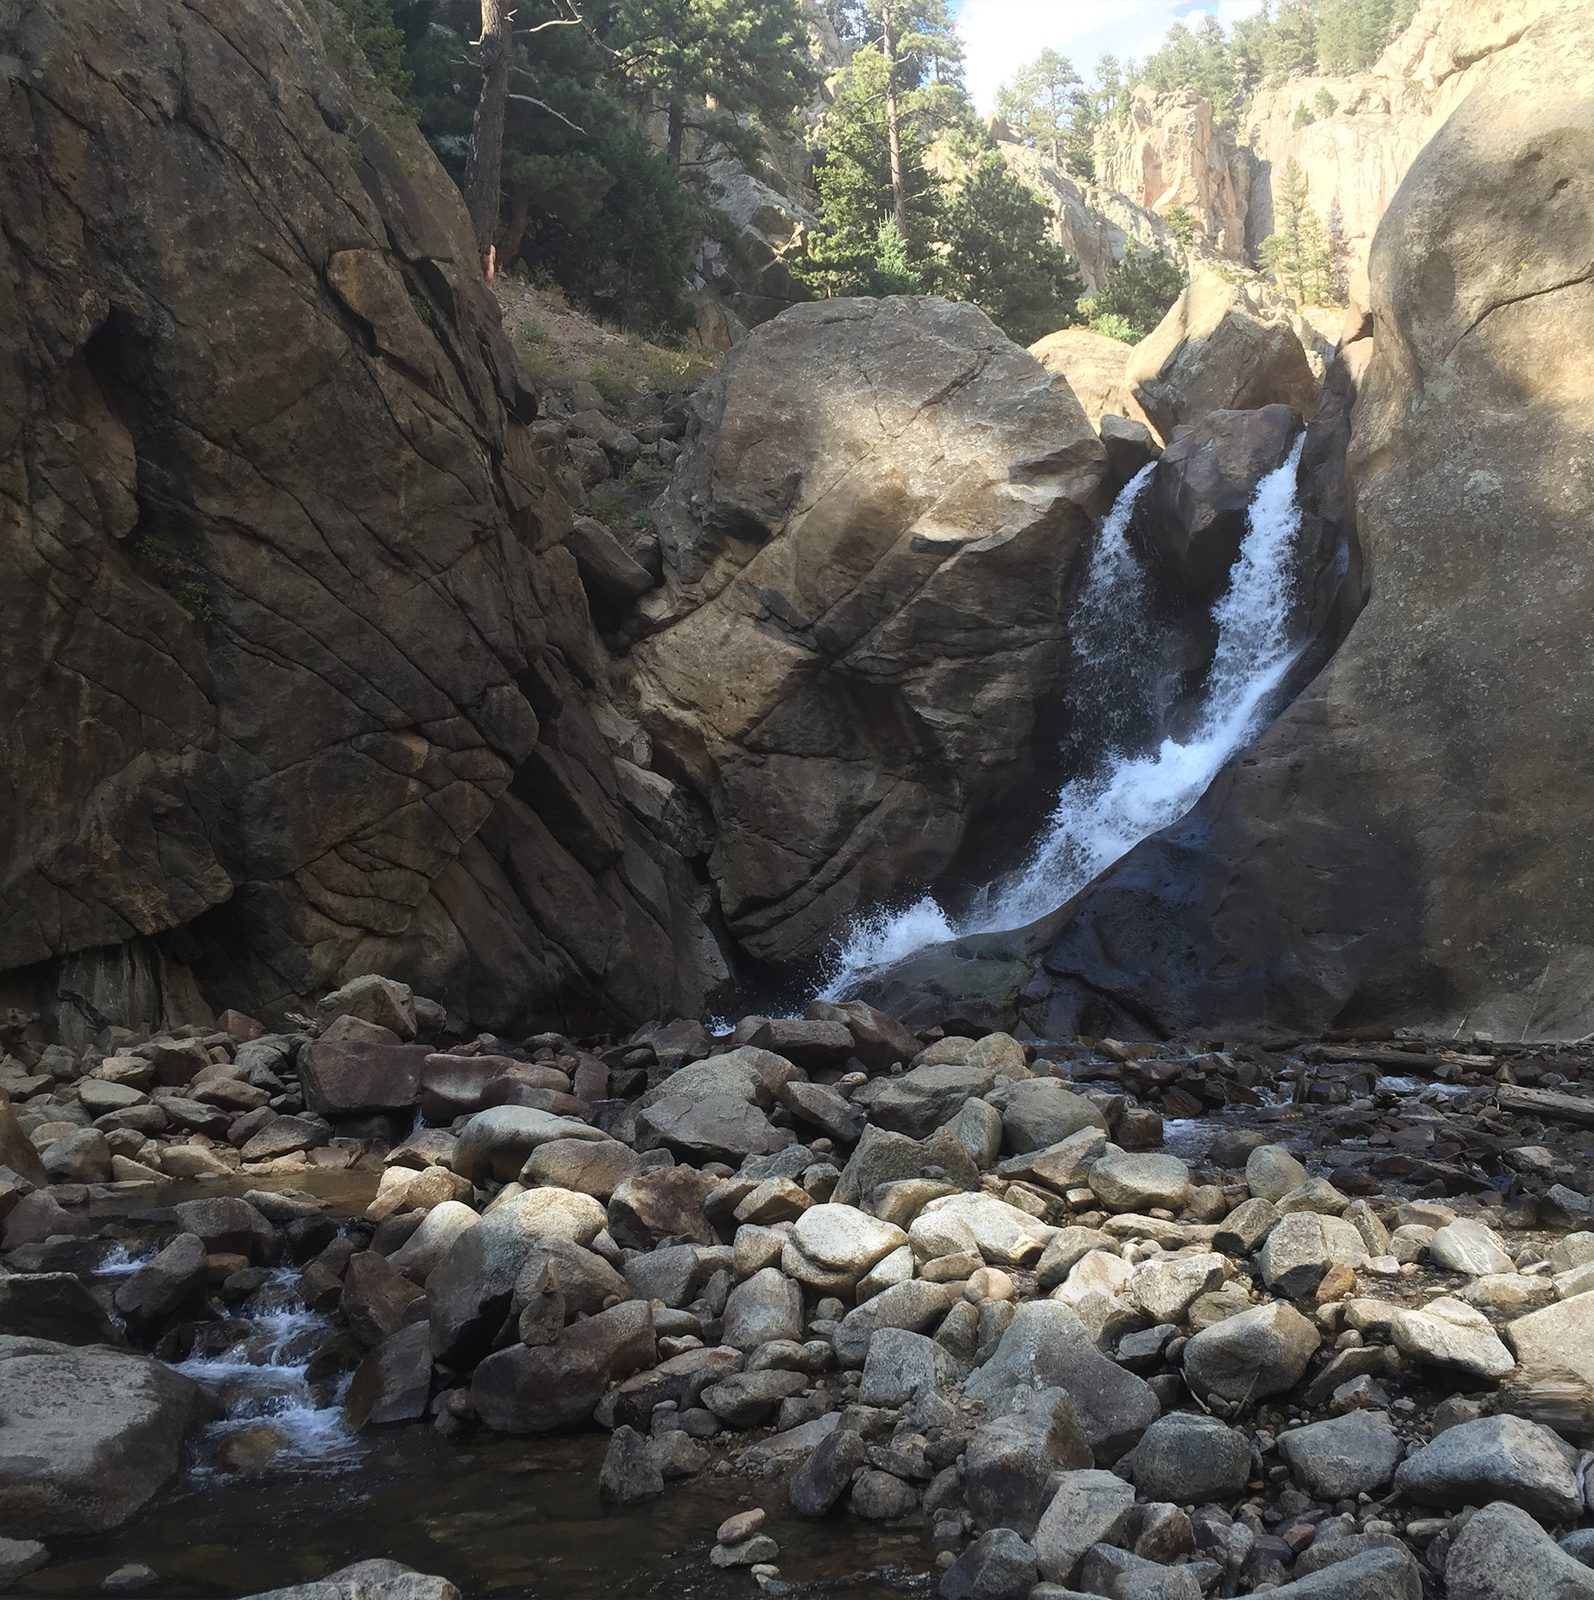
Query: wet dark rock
point(394, 1381)
point(551, 1387)
point(880, 1497)
point(230, 1226)
point(826, 1474)
point(1013, 1463)
point(168, 1286)
point(998, 1565)
point(747, 1398)
point(376, 1298)
point(53, 1305)
point(659, 1205)
point(630, 1470)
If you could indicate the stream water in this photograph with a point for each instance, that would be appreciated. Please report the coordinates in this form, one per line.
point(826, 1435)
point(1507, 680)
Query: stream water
point(497, 1516)
point(1134, 791)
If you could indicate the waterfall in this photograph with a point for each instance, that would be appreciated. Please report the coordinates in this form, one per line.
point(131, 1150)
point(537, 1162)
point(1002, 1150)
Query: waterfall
point(1101, 816)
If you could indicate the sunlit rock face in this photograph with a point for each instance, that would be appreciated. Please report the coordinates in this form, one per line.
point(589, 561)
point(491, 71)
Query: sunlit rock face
point(867, 550)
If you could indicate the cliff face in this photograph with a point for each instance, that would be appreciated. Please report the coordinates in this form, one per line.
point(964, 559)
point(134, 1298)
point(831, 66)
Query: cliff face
point(1168, 151)
point(297, 671)
point(1355, 156)
point(1409, 842)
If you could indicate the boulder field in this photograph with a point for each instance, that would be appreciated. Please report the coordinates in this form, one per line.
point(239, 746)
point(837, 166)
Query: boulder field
point(1337, 1346)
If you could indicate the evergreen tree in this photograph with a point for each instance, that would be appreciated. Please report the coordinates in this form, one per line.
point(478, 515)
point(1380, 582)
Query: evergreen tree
point(1137, 294)
point(748, 58)
point(1039, 103)
point(999, 257)
point(1298, 253)
point(1181, 224)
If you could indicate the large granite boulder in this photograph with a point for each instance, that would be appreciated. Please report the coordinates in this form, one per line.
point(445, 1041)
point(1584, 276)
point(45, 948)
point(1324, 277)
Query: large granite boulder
point(294, 563)
point(1218, 349)
point(88, 1435)
point(867, 545)
point(1405, 842)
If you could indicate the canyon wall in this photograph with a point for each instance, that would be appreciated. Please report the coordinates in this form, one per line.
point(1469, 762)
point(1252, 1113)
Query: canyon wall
point(299, 676)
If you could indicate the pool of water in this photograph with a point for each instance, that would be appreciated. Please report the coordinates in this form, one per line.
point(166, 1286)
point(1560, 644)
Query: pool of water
point(498, 1517)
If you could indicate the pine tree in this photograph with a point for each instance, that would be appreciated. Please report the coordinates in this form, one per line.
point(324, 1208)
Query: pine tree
point(1297, 252)
point(1039, 102)
point(999, 257)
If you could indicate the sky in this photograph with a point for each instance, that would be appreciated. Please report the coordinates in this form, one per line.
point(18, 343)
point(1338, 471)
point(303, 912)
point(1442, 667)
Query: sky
point(999, 36)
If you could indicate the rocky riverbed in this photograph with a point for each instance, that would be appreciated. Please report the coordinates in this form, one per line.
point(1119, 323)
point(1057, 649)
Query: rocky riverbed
point(794, 1305)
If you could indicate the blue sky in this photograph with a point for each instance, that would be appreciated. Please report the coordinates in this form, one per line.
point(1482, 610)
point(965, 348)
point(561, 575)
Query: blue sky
point(999, 36)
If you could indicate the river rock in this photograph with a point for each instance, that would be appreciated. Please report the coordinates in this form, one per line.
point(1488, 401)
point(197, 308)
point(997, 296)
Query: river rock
point(1068, 1247)
point(1131, 1181)
point(1343, 1457)
point(998, 1565)
point(1271, 1172)
point(861, 518)
point(168, 1284)
point(590, 1166)
point(1502, 1553)
point(666, 1202)
point(630, 1471)
point(1450, 1333)
point(1047, 1346)
point(1089, 1507)
point(919, 1101)
point(1250, 1356)
point(53, 1305)
point(1165, 1289)
point(1553, 1381)
point(346, 1077)
point(424, 1248)
point(1217, 350)
point(230, 1226)
point(1012, 1463)
point(978, 1128)
point(914, 1305)
point(394, 1382)
point(767, 1306)
point(824, 1108)
point(1467, 1245)
point(903, 1368)
point(1006, 1236)
point(700, 1130)
point(1186, 1457)
point(827, 1472)
point(586, 1281)
point(1045, 1112)
point(1493, 1458)
point(497, 1143)
point(81, 1156)
point(1244, 1229)
point(746, 1399)
point(842, 1241)
point(88, 1435)
point(376, 1298)
point(545, 1388)
point(17, 1150)
point(469, 1292)
point(1302, 1246)
point(19, 1557)
point(881, 1497)
point(368, 1580)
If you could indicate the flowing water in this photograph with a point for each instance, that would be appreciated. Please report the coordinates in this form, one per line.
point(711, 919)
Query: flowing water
point(1132, 793)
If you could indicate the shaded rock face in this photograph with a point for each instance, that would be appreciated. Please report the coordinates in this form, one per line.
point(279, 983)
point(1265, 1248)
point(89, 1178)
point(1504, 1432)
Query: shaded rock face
point(1405, 843)
point(866, 553)
point(293, 574)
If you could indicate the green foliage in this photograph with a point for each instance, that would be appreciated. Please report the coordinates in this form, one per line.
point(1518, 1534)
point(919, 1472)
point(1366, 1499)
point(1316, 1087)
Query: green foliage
point(1201, 59)
point(1114, 326)
point(1181, 224)
point(1351, 34)
point(374, 30)
point(1139, 290)
point(999, 257)
point(891, 272)
point(1038, 104)
point(1323, 103)
point(1298, 254)
point(1302, 116)
point(178, 576)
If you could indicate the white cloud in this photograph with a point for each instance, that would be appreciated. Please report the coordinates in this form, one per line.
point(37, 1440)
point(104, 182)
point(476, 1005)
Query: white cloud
point(999, 36)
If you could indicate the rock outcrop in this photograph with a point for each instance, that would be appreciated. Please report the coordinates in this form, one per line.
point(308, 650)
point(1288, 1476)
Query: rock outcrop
point(1406, 844)
point(1167, 150)
point(1220, 348)
point(867, 548)
point(300, 677)
point(1093, 366)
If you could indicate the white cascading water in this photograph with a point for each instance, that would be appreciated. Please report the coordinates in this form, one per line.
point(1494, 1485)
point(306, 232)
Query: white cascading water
point(1101, 817)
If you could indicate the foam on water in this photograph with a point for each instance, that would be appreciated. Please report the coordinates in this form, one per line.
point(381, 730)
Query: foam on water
point(1100, 817)
point(262, 1379)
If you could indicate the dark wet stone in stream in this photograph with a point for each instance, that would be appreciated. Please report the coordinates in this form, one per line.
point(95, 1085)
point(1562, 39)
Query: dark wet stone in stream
point(166, 1286)
point(53, 1305)
point(825, 1476)
point(394, 1382)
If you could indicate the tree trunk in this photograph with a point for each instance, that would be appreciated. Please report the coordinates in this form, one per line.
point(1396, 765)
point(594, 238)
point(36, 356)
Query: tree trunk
point(677, 136)
point(899, 194)
point(482, 171)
